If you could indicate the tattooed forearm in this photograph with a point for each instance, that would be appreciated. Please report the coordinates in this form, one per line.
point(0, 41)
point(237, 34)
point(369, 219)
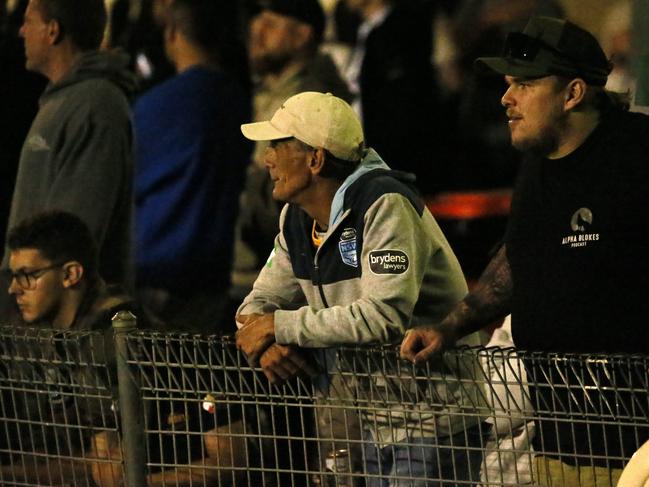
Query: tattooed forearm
point(487, 302)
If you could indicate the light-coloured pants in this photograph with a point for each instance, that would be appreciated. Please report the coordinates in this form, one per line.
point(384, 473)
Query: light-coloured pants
point(551, 472)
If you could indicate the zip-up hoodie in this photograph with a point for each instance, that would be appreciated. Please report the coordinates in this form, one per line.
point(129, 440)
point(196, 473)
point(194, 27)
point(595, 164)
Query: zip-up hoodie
point(383, 261)
point(78, 157)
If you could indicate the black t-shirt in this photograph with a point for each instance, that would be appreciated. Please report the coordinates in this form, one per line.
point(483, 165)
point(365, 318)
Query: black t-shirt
point(578, 248)
point(578, 244)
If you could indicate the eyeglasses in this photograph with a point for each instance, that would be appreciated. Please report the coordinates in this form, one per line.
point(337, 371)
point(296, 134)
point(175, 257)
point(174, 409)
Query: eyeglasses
point(27, 279)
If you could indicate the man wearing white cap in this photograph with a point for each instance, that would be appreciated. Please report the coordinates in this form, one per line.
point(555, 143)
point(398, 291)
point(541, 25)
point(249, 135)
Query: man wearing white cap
point(357, 250)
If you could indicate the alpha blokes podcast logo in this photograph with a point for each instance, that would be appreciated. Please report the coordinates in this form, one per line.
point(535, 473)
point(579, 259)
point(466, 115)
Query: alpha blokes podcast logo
point(580, 222)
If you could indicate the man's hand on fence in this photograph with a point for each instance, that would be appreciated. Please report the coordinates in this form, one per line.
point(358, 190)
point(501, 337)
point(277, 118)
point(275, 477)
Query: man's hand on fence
point(420, 344)
point(255, 336)
point(283, 362)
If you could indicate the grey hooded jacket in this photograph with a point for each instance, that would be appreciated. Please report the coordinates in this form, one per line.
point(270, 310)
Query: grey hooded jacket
point(383, 261)
point(78, 157)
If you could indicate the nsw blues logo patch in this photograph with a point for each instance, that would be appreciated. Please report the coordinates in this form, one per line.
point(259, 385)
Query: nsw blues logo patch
point(347, 247)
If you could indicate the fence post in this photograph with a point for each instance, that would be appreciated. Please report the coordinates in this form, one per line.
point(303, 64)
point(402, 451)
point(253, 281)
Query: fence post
point(130, 404)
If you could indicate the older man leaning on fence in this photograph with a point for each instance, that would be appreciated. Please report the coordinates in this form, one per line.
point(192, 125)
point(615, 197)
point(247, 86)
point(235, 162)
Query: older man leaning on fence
point(357, 255)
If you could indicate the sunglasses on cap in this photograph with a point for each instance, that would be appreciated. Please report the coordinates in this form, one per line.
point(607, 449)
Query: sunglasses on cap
point(525, 48)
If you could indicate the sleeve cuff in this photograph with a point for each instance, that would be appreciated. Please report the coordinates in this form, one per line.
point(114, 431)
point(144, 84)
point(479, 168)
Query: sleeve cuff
point(285, 327)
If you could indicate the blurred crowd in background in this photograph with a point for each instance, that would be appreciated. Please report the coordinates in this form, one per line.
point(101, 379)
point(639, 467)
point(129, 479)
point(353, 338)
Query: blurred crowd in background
point(404, 65)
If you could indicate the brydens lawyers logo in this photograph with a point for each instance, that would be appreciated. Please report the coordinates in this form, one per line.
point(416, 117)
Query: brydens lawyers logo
point(388, 261)
point(580, 222)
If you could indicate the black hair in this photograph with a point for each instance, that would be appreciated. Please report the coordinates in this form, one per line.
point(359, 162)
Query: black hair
point(217, 27)
point(81, 21)
point(60, 237)
point(607, 100)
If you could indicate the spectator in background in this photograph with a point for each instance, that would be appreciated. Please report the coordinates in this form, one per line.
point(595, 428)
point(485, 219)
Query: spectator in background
point(574, 259)
point(191, 163)
point(391, 76)
point(78, 153)
point(283, 48)
point(617, 41)
point(19, 92)
point(136, 26)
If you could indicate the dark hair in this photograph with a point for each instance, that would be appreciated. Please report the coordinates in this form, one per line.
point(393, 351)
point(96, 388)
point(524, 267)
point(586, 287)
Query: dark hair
point(606, 100)
point(600, 98)
point(60, 237)
point(217, 27)
point(82, 21)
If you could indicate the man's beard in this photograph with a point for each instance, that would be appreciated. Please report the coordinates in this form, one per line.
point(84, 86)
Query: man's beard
point(270, 63)
point(543, 144)
point(546, 141)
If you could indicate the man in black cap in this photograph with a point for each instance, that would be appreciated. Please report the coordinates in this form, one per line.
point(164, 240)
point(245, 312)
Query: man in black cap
point(573, 270)
point(283, 48)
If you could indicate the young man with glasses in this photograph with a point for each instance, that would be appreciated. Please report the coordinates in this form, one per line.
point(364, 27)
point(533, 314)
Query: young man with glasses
point(573, 271)
point(53, 274)
point(54, 281)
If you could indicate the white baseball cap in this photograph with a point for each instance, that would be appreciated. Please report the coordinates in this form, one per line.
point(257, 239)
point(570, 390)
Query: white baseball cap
point(317, 119)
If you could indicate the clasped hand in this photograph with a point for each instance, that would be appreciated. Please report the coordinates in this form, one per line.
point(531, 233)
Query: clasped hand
point(422, 343)
point(256, 339)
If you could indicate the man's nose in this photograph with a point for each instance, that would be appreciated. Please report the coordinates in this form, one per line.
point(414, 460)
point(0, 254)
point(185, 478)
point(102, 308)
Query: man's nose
point(507, 99)
point(269, 157)
point(14, 288)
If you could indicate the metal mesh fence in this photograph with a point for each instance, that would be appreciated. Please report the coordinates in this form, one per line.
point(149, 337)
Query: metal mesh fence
point(493, 417)
point(56, 398)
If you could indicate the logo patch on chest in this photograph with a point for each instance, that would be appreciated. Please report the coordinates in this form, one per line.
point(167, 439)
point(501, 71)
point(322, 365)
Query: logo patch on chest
point(347, 247)
point(580, 223)
point(388, 261)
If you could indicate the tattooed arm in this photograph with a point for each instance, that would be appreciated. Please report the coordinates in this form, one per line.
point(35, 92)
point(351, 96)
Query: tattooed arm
point(487, 302)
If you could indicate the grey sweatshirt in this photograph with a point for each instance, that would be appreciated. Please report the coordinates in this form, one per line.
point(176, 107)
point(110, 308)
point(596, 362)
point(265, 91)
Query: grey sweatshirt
point(78, 157)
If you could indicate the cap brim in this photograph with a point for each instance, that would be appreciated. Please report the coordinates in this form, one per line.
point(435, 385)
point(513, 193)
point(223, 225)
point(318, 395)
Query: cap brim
point(262, 131)
point(500, 65)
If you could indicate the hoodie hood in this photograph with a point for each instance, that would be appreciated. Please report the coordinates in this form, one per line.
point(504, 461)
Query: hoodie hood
point(370, 162)
point(111, 66)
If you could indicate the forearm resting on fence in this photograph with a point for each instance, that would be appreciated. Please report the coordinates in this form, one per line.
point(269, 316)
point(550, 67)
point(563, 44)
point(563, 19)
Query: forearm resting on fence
point(488, 301)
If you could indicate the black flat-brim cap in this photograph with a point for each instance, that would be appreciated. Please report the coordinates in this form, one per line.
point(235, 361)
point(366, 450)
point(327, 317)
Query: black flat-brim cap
point(550, 46)
point(308, 11)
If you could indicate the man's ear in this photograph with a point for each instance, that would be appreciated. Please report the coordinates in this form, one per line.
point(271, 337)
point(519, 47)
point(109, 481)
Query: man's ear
point(302, 35)
point(575, 92)
point(54, 32)
point(72, 273)
point(170, 32)
point(317, 161)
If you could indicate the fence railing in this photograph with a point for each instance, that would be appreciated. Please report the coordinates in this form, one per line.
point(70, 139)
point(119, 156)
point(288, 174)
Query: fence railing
point(146, 408)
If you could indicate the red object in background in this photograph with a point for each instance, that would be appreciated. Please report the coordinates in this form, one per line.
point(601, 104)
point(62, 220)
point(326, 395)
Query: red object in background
point(469, 205)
